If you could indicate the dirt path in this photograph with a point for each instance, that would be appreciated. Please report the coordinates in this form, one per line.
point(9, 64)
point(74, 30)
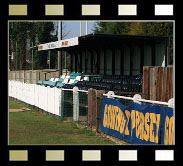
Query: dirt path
point(19, 110)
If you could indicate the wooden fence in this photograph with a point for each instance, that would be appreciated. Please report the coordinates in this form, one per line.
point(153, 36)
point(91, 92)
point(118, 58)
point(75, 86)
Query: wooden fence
point(32, 76)
point(158, 83)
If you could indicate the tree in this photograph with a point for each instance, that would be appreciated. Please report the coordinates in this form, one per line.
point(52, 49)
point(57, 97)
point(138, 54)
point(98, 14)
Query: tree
point(44, 33)
point(138, 28)
point(18, 34)
point(112, 27)
point(24, 33)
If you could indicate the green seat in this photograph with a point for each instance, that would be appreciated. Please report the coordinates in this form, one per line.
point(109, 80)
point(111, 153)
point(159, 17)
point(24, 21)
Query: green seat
point(59, 84)
point(74, 75)
point(46, 83)
point(40, 82)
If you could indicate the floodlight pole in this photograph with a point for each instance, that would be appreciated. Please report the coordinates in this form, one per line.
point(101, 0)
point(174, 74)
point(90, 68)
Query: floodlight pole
point(16, 54)
point(49, 58)
point(59, 52)
point(8, 58)
point(8, 62)
point(32, 57)
point(80, 28)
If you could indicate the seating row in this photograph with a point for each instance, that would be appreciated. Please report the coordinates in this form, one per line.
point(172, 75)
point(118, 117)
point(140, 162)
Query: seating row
point(109, 87)
point(115, 83)
point(84, 81)
point(71, 79)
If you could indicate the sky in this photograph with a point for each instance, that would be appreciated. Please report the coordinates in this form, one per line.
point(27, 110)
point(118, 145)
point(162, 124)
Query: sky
point(73, 28)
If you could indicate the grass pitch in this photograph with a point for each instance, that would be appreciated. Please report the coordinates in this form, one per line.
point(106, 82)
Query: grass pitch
point(35, 128)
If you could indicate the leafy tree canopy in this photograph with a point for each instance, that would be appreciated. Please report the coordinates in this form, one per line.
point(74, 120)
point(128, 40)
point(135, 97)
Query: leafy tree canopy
point(26, 33)
point(138, 28)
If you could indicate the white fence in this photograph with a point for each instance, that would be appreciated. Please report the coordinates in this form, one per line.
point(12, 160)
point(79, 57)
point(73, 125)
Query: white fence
point(45, 98)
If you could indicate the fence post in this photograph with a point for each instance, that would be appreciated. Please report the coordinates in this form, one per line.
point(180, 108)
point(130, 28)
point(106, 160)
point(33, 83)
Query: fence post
point(61, 103)
point(75, 104)
point(99, 109)
point(92, 100)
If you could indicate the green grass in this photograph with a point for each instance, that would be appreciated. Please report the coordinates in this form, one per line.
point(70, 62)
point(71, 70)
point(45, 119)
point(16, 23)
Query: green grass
point(31, 127)
point(13, 104)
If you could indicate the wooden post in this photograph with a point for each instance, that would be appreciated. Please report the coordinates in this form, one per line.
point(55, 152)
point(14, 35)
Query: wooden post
point(91, 108)
point(159, 85)
point(164, 83)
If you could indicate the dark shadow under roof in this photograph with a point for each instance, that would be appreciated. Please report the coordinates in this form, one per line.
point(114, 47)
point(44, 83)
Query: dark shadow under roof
point(96, 41)
point(123, 36)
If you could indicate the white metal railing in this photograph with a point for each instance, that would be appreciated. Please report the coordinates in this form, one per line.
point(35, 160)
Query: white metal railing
point(84, 91)
point(137, 99)
point(67, 89)
point(73, 89)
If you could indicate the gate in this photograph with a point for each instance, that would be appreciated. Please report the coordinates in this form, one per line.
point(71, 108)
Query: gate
point(83, 108)
point(67, 104)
